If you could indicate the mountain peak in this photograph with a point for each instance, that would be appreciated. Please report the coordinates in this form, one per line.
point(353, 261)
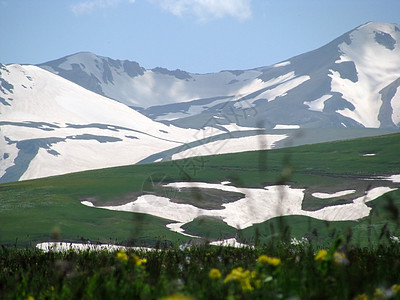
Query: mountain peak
point(349, 82)
point(385, 34)
point(372, 25)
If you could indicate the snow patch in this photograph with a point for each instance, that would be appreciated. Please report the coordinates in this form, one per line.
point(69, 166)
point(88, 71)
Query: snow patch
point(282, 64)
point(282, 88)
point(282, 126)
point(234, 127)
point(395, 103)
point(87, 203)
point(229, 243)
point(369, 154)
point(257, 206)
point(337, 194)
point(393, 178)
point(318, 104)
point(65, 246)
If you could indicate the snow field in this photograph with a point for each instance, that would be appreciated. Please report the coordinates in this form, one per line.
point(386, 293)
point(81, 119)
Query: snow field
point(257, 206)
point(375, 67)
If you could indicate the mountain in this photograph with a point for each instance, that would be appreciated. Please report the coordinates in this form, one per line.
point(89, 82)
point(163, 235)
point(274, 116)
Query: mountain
point(351, 82)
point(51, 126)
point(86, 112)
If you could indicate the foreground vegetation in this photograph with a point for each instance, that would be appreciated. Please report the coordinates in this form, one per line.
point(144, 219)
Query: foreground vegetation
point(274, 271)
point(295, 257)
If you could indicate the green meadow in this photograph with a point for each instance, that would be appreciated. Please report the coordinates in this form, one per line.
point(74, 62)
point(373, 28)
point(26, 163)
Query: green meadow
point(290, 257)
point(49, 209)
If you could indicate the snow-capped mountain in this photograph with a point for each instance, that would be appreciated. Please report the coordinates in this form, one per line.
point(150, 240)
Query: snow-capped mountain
point(86, 112)
point(351, 82)
point(51, 126)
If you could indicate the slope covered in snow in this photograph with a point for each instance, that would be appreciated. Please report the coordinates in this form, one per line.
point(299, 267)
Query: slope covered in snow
point(51, 126)
point(55, 118)
point(375, 53)
point(351, 82)
point(135, 86)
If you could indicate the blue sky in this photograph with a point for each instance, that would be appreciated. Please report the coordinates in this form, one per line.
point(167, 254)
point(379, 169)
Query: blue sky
point(193, 35)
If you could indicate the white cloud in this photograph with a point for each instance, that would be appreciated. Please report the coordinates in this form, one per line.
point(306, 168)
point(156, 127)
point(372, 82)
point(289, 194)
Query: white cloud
point(208, 9)
point(203, 10)
point(88, 5)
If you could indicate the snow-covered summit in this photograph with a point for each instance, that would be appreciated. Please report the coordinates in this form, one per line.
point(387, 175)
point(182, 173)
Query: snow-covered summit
point(51, 126)
point(133, 85)
point(352, 81)
point(75, 113)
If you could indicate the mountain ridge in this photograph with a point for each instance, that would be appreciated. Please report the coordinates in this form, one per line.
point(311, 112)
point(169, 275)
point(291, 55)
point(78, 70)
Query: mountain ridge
point(52, 125)
point(317, 84)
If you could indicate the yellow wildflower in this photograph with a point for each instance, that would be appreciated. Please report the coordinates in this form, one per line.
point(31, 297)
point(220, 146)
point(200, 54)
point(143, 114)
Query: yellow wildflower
point(321, 255)
point(30, 298)
point(138, 261)
point(396, 289)
point(235, 274)
point(121, 255)
point(245, 284)
point(214, 274)
point(266, 260)
point(241, 276)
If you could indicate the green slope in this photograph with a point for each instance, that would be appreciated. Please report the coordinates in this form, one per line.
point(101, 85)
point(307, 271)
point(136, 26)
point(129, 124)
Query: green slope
point(30, 211)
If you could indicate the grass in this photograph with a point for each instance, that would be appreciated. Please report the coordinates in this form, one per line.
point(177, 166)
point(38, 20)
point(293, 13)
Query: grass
point(359, 259)
point(275, 271)
point(209, 227)
point(31, 211)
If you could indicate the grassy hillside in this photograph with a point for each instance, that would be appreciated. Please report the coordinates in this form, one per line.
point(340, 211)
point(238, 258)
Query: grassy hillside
point(47, 209)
